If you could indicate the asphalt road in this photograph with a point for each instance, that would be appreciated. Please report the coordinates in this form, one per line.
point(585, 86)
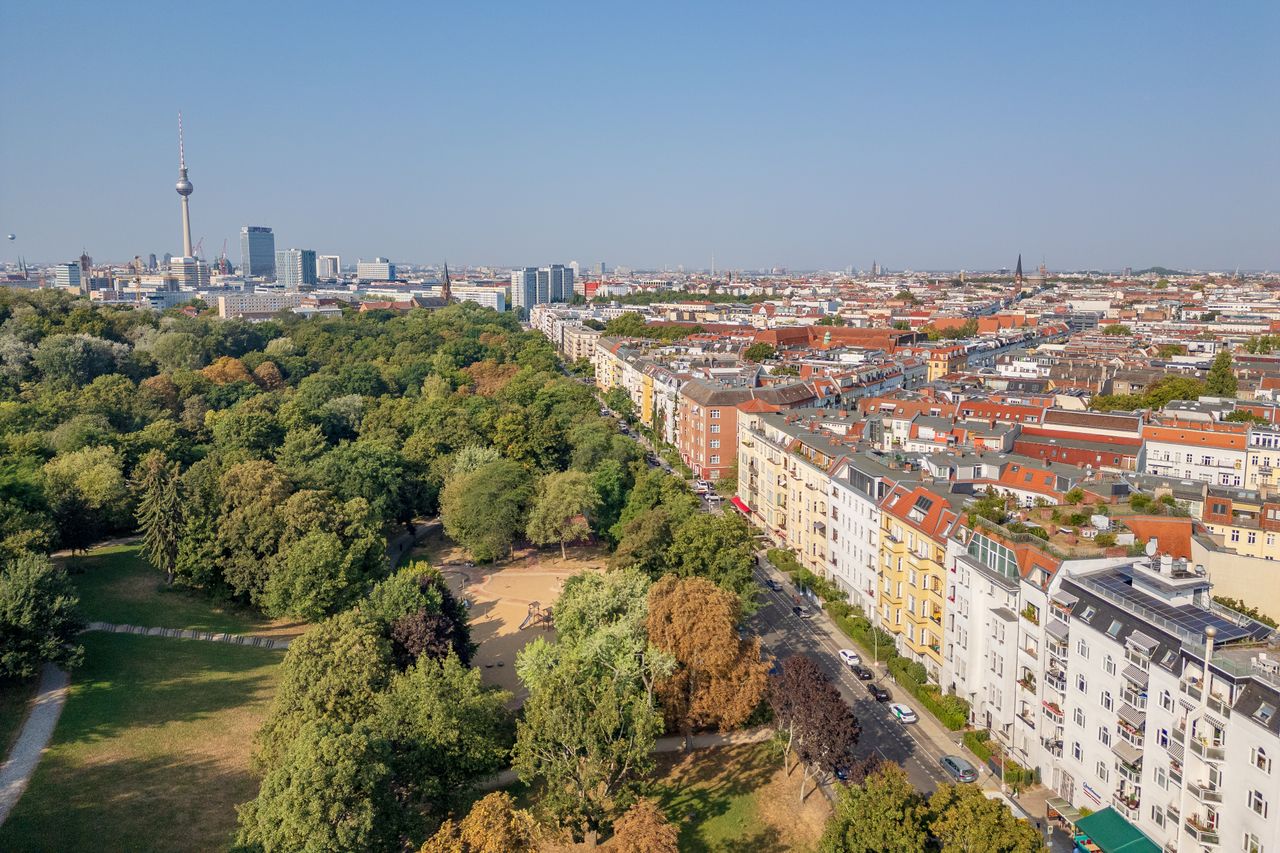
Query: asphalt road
point(783, 634)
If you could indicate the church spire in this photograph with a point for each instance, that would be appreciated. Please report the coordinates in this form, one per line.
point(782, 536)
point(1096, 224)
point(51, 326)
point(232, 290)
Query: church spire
point(1017, 274)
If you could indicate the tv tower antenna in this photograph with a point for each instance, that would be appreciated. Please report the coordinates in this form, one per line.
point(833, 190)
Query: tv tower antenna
point(184, 189)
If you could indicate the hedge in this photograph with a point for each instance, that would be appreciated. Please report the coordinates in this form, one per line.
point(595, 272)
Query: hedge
point(977, 743)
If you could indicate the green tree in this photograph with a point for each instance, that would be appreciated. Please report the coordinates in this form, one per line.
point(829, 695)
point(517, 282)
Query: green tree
point(563, 509)
point(1221, 381)
point(906, 296)
point(964, 820)
point(39, 622)
point(1117, 330)
point(628, 325)
point(485, 510)
point(87, 494)
point(883, 813)
point(617, 399)
point(759, 351)
point(332, 789)
point(718, 548)
point(159, 511)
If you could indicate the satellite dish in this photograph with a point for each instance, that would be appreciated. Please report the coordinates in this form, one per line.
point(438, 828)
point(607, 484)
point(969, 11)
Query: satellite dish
point(1151, 548)
point(13, 236)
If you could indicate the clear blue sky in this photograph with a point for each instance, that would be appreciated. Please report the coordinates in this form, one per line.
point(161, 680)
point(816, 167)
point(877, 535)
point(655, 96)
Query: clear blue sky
point(930, 135)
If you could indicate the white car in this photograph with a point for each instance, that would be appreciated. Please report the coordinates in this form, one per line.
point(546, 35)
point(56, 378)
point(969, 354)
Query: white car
point(849, 657)
point(903, 713)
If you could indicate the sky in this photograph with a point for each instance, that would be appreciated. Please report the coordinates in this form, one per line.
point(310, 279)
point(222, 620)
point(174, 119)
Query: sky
point(808, 136)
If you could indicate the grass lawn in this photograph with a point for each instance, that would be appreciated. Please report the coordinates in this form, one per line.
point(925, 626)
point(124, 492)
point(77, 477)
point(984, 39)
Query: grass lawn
point(152, 750)
point(116, 584)
point(13, 710)
point(737, 798)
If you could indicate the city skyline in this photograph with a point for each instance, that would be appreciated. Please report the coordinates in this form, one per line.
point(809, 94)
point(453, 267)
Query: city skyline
point(946, 144)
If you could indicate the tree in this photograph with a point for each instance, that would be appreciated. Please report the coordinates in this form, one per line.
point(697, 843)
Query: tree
point(1117, 330)
point(628, 325)
point(645, 829)
point(485, 510)
point(906, 296)
point(759, 351)
point(813, 718)
point(1221, 381)
point(331, 790)
point(593, 606)
point(617, 399)
point(883, 813)
point(494, 825)
point(87, 494)
point(1244, 416)
point(718, 548)
point(39, 622)
point(445, 730)
point(588, 730)
point(563, 509)
point(964, 820)
point(901, 325)
point(720, 678)
point(159, 511)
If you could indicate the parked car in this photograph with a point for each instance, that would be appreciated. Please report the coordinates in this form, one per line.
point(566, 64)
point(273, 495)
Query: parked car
point(863, 673)
point(849, 657)
point(802, 612)
point(877, 692)
point(903, 713)
point(959, 769)
point(773, 584)
point(842, 773)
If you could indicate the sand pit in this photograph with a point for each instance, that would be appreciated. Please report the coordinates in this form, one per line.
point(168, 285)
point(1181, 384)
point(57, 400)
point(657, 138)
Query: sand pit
point(500, 596)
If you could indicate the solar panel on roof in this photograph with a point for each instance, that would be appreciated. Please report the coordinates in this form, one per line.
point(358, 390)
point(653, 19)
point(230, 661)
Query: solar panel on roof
point(1187, 617)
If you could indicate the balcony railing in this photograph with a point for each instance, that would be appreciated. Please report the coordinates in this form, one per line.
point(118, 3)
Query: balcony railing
point(1204, 793)
point(1129, 774)
point(1192, 690)
point(1128, 808)
point(1053, 712)
point(1218, 705)
point(1056, 680)
point(1200, 832)
point(1027, 683)
point(1207, 751)
point(1137, 700)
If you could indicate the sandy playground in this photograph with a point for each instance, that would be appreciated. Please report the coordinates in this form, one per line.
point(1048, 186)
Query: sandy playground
point(501, 595)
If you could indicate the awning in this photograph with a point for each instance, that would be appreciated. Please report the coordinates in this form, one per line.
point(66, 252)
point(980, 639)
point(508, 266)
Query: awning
point(1057, 629)
point(1065, 598)
point(741, 505)
point(1111, 833)
point(1058, 807)
point(1142, 641)
point(1135, 674)
point(1127, 752)
point(1132, 715)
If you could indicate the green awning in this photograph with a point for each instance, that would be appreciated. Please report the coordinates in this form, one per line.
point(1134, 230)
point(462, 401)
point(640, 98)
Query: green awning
point(1113, 834)
point(1063, 809)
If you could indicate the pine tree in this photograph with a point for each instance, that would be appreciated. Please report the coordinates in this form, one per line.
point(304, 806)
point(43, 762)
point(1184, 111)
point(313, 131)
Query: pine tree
point(159, 511)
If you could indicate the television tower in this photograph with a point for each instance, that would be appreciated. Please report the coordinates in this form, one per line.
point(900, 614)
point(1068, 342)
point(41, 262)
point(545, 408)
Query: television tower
point(184, 189)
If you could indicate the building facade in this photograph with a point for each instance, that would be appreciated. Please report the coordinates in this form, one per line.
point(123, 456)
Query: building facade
point(378, 269)
point(296, 268)
point(257, 252)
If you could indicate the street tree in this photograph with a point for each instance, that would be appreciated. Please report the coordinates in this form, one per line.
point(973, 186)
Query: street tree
point(39, 622)
point(964, 820)
point(720, 678)
point(883, 813)
point(562, 511)
point(159, 511)
point(718, 548)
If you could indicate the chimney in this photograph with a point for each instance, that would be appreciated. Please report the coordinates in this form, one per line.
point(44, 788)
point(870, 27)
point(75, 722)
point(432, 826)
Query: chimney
point(1166, 564)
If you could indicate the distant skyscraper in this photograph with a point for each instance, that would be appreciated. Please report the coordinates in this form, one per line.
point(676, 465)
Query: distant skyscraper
point(296, 268)
point(378, 269)
point(168, 259)
point(561, 283)
point(184, 189)
point(601, 269)
point(257, 252)
point(151, 262)
point(67, 276)
point(328, 267)
point(524, 288)
point(191, 273)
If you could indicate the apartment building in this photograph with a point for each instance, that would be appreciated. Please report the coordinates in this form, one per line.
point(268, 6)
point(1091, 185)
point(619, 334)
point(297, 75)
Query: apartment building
point(708, 417)
point(917, 522)
point(859, 485)
point(1210, 452)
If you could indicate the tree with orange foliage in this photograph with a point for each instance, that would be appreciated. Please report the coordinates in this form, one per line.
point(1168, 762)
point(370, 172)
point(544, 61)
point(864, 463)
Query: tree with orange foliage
point(494, 825)
point(268, 376)
point(226, 370)
point(644, 829)
point(720, 678)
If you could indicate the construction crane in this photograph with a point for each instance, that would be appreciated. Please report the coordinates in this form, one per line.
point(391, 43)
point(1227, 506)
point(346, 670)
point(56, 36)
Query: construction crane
point(195, 253)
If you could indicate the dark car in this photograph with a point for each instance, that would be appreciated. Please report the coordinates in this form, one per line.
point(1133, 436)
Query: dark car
point(775, 668)
point(842, 773)
point(877, 692)
point(802, 612)
point(773, 584)
point(863, 673)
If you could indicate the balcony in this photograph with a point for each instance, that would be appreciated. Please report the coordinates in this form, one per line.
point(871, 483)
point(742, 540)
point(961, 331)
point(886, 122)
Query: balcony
point(1218, 705)
point(1138, 701)
point(1057, 680)
point(1053, 747)
point(1057, 650)
point(1200, 831)
point(1127, 807)
point(1028, 683)
point(1208, 751)
point(1031, 652)
point(1053, 711)
point(1031, 614)
point(1204, 793)
point(1025, 716)
point(1192, 690)
point(1129, 774)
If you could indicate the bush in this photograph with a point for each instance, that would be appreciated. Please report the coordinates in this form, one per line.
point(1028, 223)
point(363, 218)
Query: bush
point(1105, 540)
point(977, 741)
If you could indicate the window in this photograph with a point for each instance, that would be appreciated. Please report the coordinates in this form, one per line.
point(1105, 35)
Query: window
point(1259, 759)
point(1252, 538)
point(1258, 803)
point(1251, 843)
point(1162, 737)
point(1166, 700)
point(1081, 684)
point(1162, 778)
point(1235, 535)
point(1082, 648)
point(1102, 771)
point(1104, 737)
point(1106, 699)
point(715, 413)
point(1114, 631)
point(1078, 716)
point(1157, 815)
point(715, 444)
point(1109, 665)
point(715, 460)
point(715, 429)
point(1076, 751)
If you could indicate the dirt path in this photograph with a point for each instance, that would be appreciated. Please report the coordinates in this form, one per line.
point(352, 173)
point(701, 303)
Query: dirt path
point(46, 707)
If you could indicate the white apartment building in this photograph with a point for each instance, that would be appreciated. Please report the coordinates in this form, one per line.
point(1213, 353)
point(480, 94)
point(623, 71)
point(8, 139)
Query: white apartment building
point(858, 487)
point(378, 269)
point(1204, 452)
point(1093, 671)
point(488, 297)
point(261, 302)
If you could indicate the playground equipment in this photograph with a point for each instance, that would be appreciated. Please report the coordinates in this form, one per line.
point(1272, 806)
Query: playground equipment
point(537, 616)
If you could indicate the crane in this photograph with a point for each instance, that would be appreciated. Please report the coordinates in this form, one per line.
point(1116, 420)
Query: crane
point(195, 253)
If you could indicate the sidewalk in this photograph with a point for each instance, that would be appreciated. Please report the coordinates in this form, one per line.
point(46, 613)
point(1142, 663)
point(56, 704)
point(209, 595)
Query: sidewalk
point(46, 707)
